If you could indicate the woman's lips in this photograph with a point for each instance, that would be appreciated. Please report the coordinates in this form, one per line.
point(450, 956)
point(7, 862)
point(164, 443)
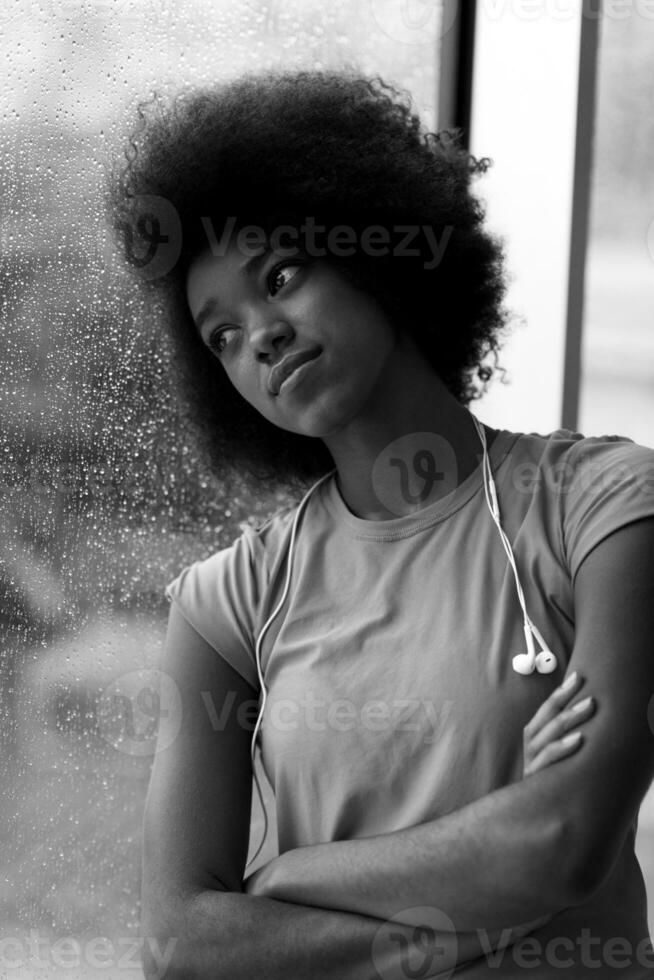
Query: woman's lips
point(298, 374)
point(288, 366)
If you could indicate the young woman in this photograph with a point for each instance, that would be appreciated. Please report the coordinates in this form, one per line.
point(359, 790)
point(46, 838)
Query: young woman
point(408, 640)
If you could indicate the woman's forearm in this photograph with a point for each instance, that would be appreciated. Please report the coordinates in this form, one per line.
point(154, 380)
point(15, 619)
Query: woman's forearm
point(230, 936)
point(477, 866)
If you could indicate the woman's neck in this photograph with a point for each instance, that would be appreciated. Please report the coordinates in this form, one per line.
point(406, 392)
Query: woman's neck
point(413, 443)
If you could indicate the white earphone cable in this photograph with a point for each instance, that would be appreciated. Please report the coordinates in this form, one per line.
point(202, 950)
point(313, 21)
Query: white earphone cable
point(530, 629)
point(257, 651)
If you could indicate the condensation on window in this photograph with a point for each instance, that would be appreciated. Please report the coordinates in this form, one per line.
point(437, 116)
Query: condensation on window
point(617, 390)
point(104, 497)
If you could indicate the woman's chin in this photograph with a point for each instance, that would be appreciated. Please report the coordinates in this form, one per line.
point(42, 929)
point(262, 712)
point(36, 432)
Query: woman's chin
point(316, 420)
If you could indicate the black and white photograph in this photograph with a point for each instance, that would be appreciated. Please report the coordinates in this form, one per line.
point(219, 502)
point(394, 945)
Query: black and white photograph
point(327, 489)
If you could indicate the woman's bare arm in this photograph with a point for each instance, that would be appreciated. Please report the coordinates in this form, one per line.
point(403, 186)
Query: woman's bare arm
point(220, 935)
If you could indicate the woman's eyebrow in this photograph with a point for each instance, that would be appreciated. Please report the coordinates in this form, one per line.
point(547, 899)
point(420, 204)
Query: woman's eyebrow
point(208, 309)
point(248, 269)
point(251, 267)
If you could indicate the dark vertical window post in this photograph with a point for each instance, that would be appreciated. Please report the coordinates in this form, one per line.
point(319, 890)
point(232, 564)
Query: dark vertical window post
point(586, 94)
point(456, 74)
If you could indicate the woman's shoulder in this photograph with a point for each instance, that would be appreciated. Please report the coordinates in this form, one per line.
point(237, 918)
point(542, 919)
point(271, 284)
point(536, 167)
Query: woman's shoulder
point(569, 451)
point(256, 551)
point(268, 539)
point(583, 487)
point(572, 473)
point(267, 536)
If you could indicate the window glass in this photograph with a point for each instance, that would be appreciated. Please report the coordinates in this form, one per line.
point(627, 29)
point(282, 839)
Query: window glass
point(103, 497)
point(617, 389)
point(617, 380)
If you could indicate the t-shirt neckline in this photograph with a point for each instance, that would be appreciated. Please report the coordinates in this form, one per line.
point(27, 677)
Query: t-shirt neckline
point(439, 510)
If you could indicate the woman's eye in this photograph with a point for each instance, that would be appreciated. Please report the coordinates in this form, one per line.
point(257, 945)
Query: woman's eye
point(282, 274)
point(219, 340)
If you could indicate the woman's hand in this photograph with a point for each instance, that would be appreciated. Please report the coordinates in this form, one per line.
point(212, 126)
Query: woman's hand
point(545, 738)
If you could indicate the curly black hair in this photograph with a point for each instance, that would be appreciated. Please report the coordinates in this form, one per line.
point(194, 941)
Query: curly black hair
point(344, 149)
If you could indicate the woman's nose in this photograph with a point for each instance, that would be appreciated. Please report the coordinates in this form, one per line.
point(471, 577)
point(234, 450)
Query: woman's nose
point(269, 338)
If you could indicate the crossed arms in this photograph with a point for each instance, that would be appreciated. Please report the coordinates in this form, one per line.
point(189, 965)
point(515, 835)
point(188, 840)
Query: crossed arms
point(466, 864)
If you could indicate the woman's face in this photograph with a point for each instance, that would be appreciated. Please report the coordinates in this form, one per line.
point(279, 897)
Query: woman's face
point(301, 344)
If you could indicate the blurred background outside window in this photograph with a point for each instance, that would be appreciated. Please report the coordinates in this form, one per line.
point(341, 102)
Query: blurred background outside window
point(617, 382)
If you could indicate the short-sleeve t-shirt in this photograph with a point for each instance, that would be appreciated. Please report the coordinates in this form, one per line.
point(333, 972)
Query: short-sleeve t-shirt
point(391, 697)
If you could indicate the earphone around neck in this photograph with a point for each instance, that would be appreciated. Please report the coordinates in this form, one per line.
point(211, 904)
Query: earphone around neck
point(257, 649)
point(544, 662)
point(523, 663)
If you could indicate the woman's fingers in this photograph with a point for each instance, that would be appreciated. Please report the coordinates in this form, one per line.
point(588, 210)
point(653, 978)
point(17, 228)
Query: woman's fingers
point(561, 725)
point(557, 700)
point(548, 736)
point(553, 752)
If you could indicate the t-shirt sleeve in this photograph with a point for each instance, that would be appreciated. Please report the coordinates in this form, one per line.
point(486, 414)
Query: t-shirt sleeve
point(219, 597)
point(608, 482)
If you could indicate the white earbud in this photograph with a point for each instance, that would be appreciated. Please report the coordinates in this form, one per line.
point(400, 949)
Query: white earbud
point(524, 663)
point(545, 662)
